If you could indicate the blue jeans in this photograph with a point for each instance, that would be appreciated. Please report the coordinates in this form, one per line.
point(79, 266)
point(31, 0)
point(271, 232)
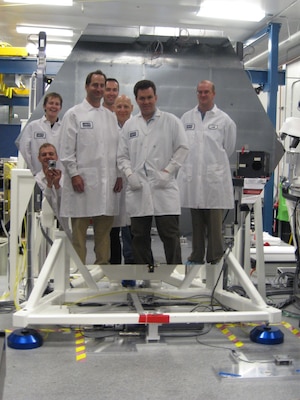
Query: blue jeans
point(127, 244)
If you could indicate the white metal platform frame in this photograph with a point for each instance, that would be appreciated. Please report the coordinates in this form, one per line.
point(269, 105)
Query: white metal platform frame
point(59, 306)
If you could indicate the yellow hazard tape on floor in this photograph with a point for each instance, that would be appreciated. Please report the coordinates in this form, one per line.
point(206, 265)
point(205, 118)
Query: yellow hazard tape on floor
point(80, 346)
point(290, 327)
point(230, 336)
point(79, 340)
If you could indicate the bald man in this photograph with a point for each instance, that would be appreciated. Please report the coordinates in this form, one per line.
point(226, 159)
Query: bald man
point(123, 109)
point(205, 179)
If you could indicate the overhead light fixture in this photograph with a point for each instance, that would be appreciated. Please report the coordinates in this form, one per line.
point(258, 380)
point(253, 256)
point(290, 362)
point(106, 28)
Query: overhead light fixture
point(58, 51)
point(231, 10)
point(53, 51)
point(50, 30)
point(67, 3)
point(159, 31)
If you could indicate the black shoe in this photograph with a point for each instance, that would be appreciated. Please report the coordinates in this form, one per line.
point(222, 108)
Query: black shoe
point(214, 262)
point(128, 283)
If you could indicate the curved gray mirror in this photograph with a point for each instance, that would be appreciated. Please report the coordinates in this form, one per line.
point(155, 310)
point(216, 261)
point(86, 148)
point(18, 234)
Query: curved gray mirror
point(176, 69)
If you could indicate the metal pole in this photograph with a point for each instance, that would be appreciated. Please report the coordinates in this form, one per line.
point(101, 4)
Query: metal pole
point(40, 90)
point(272, 88)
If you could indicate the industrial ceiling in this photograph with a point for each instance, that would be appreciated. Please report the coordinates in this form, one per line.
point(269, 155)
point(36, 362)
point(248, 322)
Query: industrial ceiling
point(163, 13)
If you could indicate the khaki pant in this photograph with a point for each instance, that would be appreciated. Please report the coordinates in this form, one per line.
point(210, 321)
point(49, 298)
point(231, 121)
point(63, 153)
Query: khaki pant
point(102, 226)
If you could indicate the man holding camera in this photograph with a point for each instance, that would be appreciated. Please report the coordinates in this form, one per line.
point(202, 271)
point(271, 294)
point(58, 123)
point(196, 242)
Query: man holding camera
point(49, 179)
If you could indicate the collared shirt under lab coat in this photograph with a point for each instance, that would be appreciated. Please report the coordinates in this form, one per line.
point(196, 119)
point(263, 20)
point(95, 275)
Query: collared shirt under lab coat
point(53, 195)
point(33, 136)
point(205, 179)
point(89, 145)
point(51, 203)
point(146, 149)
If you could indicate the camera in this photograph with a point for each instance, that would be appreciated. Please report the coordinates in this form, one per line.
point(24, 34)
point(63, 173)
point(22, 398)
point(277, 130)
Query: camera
point(51, 164)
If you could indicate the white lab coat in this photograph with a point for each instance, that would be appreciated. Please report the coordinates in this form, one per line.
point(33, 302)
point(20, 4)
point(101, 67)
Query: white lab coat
point(145, 150)
point(122, 219)
point(205, 179)
point(33, 136)
point(89, 145)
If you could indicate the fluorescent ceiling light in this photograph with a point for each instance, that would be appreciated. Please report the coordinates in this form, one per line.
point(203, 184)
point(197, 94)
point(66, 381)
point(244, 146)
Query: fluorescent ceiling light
point(54, 51)
point(50, 30)
point(232, 10)
point(42, 2)
point(159, 31)
point(58, 51)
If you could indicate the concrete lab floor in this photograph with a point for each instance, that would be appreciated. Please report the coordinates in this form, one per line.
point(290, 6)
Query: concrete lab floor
point(179, 367)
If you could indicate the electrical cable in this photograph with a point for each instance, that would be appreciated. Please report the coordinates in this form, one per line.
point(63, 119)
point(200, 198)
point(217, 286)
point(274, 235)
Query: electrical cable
point(142, 292)
point(4, 228)
point(290, 314)
point(7, 307)
point(192, 333)
point(20, 270)
point(212, 345)
point(219, 277)
point(249, 54)
point(86, 334)
point(44, 233)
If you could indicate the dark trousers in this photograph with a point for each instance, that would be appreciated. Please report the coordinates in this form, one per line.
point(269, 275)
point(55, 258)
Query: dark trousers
point(127, 244)
point(207, 226)
point(168, 231)
point(115, 246)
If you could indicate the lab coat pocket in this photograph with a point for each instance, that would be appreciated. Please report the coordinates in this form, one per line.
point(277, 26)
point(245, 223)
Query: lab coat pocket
point(215, 174)
point(90, 177)
point(162, 179)
point(134, 182)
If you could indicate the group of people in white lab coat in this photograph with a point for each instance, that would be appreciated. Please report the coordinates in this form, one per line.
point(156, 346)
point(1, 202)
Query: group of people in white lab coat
point(161, 162)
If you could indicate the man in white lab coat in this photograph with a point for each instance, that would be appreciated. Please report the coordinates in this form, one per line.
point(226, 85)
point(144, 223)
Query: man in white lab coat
point(205, 179)
point(43, 130)
point(49, 180)
point(152, 148)
point(89, 145)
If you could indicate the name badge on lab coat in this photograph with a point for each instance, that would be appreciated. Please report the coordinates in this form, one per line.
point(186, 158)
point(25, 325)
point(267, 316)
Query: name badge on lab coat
point(213, 127)
point(86, 124)
point(133, 134)
point(190, 127)
point(39, 135)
